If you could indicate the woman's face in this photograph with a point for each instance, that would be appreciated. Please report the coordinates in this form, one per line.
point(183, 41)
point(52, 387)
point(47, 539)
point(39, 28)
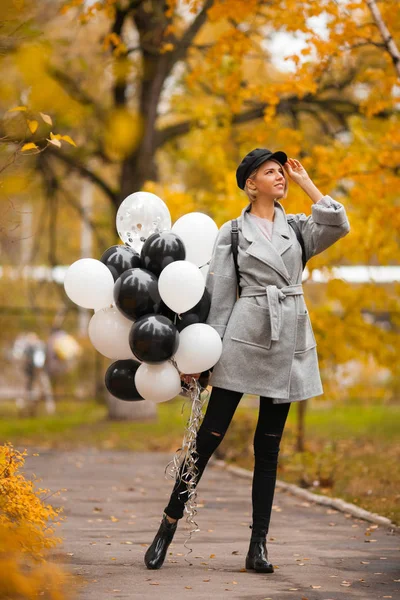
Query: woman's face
point(270, 180)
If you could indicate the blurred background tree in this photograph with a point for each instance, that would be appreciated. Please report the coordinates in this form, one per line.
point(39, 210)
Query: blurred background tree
point(168, 96)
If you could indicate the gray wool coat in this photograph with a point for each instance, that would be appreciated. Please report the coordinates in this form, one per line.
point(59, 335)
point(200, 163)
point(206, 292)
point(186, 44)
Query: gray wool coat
point(268, 345)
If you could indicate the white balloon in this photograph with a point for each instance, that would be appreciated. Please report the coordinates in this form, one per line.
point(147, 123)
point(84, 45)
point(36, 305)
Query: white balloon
point(198, 232)
point(158, 383)
point(89, 283)
point(140, 215)
point(200, 348)
point(181, 285)
point(109, 333)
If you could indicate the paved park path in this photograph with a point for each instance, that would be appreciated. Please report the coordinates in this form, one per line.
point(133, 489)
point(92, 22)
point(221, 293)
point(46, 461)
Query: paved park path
point(113, 502)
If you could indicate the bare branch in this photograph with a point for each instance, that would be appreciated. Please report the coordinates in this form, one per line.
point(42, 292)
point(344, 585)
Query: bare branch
point(87, 173)
point(388, 40)
point(338, 108)
point(186, 40)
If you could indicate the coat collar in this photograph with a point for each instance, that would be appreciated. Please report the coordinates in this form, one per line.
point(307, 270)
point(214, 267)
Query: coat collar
point(269, 252)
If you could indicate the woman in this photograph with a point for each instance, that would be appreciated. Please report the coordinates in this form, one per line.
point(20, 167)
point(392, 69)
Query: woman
point(269, 348)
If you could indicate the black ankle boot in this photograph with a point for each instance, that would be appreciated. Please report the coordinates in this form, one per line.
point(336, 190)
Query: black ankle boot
point(155, 555)
point(257, 557)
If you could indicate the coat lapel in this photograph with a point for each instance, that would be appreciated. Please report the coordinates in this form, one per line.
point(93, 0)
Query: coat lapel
point(269, 252)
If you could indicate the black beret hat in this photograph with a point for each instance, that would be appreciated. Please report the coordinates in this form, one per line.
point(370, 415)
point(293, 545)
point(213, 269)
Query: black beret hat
point(254, 159)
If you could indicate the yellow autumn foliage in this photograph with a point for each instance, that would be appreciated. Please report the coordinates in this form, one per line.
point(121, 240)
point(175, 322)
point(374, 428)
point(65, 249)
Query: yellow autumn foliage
point(27, 533)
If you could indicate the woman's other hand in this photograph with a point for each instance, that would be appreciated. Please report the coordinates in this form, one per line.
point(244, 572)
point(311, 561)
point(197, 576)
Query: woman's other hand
point(187, 378)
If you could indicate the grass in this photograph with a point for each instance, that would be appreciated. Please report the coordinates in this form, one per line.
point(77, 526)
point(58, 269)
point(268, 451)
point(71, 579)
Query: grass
point(352, 450)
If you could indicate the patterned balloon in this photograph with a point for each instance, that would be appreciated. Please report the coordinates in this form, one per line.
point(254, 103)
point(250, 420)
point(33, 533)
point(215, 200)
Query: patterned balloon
point(140, 215)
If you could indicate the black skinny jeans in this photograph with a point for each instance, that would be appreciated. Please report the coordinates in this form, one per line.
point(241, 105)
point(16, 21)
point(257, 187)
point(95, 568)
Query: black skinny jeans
point(271, 422)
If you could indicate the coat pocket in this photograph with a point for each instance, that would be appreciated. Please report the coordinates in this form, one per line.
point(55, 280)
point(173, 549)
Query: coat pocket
point(305, 339)
point(252, 325)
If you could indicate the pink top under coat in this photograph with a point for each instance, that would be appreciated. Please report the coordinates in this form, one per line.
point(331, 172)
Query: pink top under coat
point(265, 225)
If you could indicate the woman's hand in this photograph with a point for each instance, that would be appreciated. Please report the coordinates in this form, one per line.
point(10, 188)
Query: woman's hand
point(296, 171)
point(186, 378)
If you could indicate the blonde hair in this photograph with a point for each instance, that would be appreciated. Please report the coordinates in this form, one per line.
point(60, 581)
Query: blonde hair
point(252, 194)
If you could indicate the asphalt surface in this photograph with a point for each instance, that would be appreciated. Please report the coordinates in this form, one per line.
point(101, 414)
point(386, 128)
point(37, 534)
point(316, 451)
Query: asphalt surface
point(113, 504)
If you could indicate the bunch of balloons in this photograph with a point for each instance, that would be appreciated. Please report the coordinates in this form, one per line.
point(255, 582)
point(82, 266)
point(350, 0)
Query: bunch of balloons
point(150, 300)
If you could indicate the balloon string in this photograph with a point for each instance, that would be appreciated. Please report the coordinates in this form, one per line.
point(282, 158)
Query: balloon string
point(205, 264)
point(185, 458)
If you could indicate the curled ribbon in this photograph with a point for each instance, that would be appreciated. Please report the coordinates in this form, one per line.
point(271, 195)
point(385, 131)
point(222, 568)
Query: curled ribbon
point(185, 457)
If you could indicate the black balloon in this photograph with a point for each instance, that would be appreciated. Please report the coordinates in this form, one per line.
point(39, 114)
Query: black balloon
point(136, 293)
point(197, 314)
point(120, 380)
point(161, 249)
point(119, 259)
point(154, 339)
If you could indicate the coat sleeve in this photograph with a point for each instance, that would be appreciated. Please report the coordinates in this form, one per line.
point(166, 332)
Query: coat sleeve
point(327, 223)
point(221, 281)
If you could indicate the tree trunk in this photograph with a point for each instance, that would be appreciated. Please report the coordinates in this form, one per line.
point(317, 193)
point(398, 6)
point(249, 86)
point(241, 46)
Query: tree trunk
point(121, 410)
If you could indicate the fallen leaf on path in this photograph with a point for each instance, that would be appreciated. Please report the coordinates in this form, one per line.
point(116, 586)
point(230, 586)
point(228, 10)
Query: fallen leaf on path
point(188, 587)
point(364, 562)
point(235, 552)
point(154, 583)
point(212, 555)
point(206, 580)
point(316, 587)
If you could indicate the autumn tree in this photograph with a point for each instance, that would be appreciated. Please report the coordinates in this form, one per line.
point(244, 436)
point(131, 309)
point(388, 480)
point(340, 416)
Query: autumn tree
point(168, 96)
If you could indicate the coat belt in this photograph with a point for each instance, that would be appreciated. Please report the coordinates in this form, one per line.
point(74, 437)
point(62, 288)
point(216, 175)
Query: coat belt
point(275, 296)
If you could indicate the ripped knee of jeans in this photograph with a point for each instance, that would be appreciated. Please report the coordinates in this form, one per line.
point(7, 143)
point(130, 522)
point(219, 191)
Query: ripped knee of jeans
point(208, 441)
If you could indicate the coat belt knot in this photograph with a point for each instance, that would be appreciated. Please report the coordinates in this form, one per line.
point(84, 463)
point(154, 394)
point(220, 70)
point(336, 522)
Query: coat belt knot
point(275, 297)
